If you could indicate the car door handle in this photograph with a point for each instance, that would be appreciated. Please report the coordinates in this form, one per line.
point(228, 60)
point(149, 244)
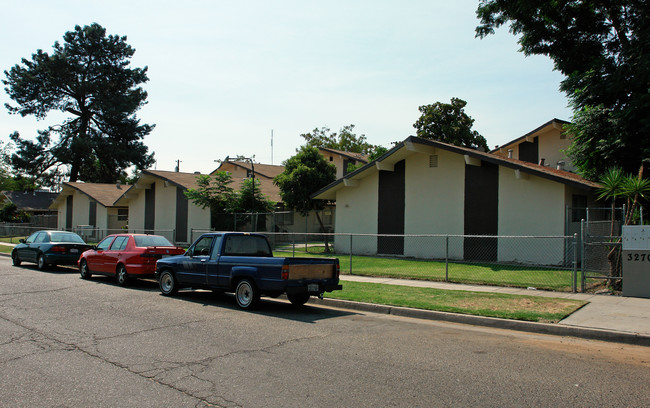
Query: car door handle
point(203, 260)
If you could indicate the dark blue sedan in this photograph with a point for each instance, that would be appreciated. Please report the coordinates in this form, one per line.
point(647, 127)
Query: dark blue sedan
point(49, 248)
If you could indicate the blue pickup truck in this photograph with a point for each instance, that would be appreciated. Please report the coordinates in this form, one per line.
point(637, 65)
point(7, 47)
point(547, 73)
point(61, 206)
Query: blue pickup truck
point(244, 264)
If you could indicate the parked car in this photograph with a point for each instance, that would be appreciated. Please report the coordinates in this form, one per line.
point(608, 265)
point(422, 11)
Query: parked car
point(49, 248)
point(243, 263)
point(126, 256)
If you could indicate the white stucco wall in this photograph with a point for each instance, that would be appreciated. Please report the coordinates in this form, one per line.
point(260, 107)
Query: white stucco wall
point(535, 207)
point(551, 148)
point(165, 218)
point(356, 212)
point(433, 196)
point(136, 212)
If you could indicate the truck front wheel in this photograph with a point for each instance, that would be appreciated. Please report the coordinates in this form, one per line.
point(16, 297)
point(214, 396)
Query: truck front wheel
point(247, 294)
point(298, 299)
point(167, 283)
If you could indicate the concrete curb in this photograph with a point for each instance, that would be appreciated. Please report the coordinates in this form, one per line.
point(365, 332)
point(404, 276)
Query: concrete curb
point(532, 327)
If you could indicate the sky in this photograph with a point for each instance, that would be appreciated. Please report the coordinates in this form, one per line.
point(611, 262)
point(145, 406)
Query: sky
point(249, 77)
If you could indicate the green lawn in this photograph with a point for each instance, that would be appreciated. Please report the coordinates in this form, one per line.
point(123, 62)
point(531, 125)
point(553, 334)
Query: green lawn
point(477, 273)
point(518, 307)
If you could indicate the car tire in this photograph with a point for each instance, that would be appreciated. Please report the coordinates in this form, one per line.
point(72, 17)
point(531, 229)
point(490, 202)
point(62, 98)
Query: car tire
point(167, 283)
point(15, 259)
point(246, 294)
point(84, 271)
point(121, 276)
point(298, 299)
point(40, 262)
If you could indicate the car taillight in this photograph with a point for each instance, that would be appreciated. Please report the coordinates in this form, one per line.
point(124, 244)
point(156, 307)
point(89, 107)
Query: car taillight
point(285, 272)
point(57, 248)
point(338, 270)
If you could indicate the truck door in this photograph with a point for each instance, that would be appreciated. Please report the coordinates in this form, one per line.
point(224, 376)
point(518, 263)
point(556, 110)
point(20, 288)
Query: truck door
point(195, 265)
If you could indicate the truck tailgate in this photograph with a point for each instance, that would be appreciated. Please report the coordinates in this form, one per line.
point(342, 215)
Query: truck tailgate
point(313, 271)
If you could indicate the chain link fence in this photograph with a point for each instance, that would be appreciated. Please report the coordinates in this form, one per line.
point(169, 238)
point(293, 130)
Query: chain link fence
point(540, 262)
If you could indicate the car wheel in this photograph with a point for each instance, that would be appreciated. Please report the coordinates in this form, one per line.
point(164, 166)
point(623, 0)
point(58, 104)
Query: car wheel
point(84, 271)
point(40, 262)
point(15, 259)
point(167, 283)
point(298, 299)
point(247, 294)
point(121, 276)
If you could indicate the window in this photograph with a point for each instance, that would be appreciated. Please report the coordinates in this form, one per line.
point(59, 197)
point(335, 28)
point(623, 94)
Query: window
point(202, 247)
point(217, 246)
point(120, 243)
point(151, 240)
point(31, 238)
point(105, 243)
point(247, 245)
point(122, 214)
point(40, 238)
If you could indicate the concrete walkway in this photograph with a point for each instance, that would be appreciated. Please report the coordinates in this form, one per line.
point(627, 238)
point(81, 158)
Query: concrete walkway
point(605, 317)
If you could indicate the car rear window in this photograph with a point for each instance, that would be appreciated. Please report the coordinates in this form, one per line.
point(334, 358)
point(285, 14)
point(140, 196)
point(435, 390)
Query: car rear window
point(66, 237)
point(151, 240)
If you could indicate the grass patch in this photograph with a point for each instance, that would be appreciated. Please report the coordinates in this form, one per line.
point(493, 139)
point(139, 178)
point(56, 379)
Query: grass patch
point(518, 307)
point(477, 273)
point(6, 249)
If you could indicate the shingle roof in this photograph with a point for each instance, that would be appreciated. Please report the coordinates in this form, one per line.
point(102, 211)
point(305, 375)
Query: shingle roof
point(550, 173)
point(356, 156)
point(185, 180)
point(265, 170)
point(32, 200)
point(104, 193)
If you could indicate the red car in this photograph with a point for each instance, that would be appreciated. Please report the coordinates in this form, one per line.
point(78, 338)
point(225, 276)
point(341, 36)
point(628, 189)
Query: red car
point(126, 256)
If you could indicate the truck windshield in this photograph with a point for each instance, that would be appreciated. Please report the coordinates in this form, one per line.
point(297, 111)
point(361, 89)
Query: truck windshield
point(247, 245)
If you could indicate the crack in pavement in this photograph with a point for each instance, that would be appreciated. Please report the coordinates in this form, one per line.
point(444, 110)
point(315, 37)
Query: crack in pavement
point(73, 347)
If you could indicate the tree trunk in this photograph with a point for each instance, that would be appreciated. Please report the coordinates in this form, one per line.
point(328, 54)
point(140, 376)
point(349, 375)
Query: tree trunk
point(322, 229)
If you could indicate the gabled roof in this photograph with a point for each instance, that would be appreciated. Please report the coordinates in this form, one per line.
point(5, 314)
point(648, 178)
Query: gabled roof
point(351, 155)
point(264, 170)
point(557, 123)
point(417, 145)
point(104, 193)
point(186, 181)
point(31, 200)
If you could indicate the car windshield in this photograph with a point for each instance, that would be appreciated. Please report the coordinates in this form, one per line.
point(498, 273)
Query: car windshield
point(151, 240)
point(66, 237)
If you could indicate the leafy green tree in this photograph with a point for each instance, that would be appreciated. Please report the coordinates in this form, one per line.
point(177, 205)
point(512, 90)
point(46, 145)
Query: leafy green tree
point(251, 199)
point(304, 174)
point(88, 77)
point(448, 123)
point(215, 194)
point(345, 140)
point(602, 48)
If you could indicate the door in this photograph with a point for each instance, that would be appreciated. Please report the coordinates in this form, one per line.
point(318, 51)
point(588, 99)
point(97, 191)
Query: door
point(217, 274)
point(391, 210)
point(195, 265)
point(114, 253)
point(95, 259)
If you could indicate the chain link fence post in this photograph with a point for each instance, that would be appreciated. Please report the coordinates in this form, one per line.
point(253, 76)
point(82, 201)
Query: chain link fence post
point(575, 263)
point(350, 254)
point(582, 255)
point(447, 258)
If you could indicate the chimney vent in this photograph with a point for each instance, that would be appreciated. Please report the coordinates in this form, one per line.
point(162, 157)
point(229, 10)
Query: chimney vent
point(118, 185)
point(560, 165)
point(510, 153)
point(542, 162)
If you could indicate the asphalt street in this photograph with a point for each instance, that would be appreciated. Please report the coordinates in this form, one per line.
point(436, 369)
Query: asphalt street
point(68, 342)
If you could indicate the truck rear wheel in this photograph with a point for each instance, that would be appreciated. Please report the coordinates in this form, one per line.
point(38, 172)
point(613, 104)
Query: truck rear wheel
point(247, 294)
point(298, 299)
